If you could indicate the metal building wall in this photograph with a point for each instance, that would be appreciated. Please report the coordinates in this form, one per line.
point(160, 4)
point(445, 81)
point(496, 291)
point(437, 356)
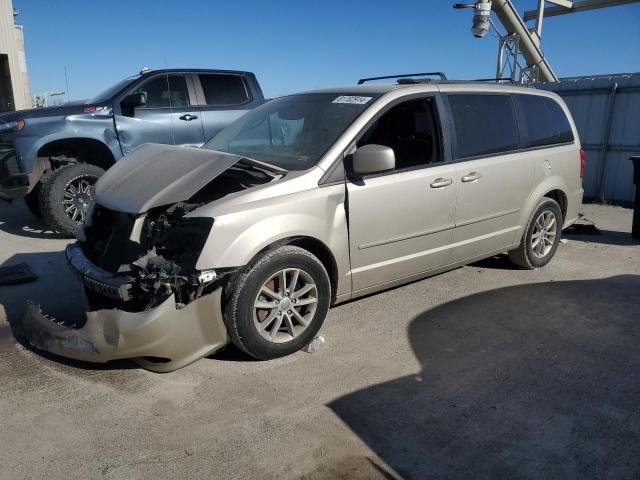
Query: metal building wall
point(12, 45)
point(606, 110)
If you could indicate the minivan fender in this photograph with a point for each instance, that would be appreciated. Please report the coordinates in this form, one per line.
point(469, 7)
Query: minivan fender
point(236, 238)
point(549, 184)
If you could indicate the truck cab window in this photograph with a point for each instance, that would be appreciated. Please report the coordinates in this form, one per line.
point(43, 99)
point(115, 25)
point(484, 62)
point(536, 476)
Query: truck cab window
point(410, 129)
point(165, 91)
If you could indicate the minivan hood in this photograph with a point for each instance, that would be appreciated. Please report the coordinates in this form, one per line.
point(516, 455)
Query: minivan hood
point(154, 175)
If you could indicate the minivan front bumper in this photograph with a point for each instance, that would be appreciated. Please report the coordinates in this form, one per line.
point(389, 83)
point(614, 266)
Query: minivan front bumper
point(161, 339)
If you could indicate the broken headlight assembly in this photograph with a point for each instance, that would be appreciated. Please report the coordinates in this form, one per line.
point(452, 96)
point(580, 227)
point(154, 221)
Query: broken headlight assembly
point(173, 244)
point(155, 254)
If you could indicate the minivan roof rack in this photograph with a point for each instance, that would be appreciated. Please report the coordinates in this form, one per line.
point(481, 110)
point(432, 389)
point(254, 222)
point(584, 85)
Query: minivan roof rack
point(497, 80)
point(407, 75)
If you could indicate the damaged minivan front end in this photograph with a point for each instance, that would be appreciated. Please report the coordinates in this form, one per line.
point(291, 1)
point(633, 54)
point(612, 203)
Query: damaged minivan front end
point(137, 257)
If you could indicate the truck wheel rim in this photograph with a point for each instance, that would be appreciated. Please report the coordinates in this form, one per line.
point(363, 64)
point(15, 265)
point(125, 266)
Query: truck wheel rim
point(544, 234)
point(76, 198)
point(285, 305)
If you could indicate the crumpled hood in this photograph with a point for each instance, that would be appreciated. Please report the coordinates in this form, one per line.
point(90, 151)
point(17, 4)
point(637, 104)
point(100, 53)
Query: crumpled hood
point(154, 175)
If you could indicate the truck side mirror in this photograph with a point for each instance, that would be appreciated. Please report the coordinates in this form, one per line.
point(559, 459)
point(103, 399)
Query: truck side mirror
point(373, 159)
point(133, 100)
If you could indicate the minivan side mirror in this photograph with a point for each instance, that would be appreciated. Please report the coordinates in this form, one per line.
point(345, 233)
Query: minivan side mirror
point(373, 159)
point(134, 100)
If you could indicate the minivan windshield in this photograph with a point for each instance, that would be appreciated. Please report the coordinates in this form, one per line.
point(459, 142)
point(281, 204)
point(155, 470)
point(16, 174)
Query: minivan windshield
point(112, 90)
point(291, 132)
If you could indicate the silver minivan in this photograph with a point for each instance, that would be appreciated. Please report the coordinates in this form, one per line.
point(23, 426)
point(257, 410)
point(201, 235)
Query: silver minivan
point(308, 201)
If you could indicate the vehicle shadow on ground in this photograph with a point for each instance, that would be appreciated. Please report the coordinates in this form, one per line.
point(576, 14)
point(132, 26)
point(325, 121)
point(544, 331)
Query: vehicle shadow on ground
point(531, 381)
point(33, 228)
point(16, 220)
point(605, 237)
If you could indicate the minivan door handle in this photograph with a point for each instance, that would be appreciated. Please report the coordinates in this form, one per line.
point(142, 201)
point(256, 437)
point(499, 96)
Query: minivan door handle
point(471, 177)
point(188, 117)
point(441, 182)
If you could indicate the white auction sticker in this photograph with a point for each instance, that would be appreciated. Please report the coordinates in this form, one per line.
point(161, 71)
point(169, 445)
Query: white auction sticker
point(353, 99)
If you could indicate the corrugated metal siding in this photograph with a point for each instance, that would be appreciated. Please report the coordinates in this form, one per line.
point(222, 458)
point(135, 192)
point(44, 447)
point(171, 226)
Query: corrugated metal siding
point(606, 110)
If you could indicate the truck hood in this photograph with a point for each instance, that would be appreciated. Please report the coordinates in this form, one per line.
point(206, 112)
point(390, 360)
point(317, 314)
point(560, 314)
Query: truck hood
point(71, 108)
point(154, 175)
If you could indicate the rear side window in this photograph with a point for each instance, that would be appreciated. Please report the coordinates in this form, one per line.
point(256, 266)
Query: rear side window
point(542, 121)
point(223, 89)
point(484, 124)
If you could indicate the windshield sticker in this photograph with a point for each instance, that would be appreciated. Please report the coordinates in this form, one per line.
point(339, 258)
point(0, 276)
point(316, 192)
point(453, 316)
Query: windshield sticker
point(352, 99)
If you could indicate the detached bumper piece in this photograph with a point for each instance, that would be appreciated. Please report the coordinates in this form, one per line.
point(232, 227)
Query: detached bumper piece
point(162, 339)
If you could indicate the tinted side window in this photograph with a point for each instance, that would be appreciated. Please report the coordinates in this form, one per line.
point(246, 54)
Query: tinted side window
point(410, 129)
point(223, 89)
point(165, 91)
point(542, 121)
point(484, 124)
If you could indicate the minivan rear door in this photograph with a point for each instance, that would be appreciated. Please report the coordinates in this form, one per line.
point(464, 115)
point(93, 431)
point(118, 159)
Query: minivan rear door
point(493, 178)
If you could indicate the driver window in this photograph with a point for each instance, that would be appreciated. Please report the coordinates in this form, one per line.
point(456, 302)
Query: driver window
point(165, 91)
point(410, 129)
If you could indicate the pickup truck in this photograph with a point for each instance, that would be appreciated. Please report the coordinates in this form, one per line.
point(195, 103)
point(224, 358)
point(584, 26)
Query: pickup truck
point(52, 156)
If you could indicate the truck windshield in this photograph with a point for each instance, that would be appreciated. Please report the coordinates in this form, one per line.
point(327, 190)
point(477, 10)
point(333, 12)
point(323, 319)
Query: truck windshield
point(291, 132)
point(112, 90)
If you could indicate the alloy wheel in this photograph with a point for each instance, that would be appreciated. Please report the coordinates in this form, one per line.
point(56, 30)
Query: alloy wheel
point(544, 234)
point(285, 305)
point(77, 195)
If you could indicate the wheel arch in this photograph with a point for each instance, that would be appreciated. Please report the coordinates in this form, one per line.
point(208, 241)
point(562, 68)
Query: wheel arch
point(313, 246)
point(85, 150)
point(552, 187)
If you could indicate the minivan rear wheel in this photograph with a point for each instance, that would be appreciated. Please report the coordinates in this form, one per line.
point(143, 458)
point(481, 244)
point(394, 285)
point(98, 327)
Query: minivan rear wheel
point(279, 304)
point(541, 236)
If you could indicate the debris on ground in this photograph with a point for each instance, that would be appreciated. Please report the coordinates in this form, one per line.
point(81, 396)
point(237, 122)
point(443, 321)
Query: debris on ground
point(315, 344)
point(16, 274)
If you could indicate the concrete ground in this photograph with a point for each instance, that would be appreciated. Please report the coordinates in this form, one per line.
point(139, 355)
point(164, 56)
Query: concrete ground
point(482, 372)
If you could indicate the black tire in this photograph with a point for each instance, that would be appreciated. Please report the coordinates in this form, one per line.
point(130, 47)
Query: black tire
point(52, 195)
point(32, 201)
point(524, 255)
point(239, 312)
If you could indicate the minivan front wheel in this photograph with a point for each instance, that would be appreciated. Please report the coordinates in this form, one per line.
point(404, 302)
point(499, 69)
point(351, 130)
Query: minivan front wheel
point(278, 304)
point(541, 237)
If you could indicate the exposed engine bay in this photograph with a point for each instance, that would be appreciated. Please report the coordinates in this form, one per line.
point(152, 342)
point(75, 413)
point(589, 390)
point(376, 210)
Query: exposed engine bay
point(153, 256)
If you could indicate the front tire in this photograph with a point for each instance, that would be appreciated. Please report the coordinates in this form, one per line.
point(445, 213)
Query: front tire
point(541, 236)
point(279, 303)
point(65, 196)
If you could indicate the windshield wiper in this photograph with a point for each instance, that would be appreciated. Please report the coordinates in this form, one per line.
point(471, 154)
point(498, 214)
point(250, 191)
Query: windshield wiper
point(252, 162)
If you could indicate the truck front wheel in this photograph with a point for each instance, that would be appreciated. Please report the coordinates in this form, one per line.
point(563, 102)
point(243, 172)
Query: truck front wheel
point(65, 196)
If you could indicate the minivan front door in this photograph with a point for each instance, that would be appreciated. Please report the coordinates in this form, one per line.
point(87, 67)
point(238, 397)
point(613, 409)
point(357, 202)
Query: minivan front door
point(168, 117)
point(401, 221)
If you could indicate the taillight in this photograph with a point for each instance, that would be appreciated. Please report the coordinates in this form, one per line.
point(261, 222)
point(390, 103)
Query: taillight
point(583, 155)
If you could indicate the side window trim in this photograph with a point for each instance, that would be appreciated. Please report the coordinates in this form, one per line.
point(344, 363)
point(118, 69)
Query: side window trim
point(190, 91)
point(202, 100)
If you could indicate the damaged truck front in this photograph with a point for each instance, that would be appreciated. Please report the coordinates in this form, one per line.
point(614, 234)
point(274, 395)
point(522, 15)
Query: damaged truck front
point(137, 256)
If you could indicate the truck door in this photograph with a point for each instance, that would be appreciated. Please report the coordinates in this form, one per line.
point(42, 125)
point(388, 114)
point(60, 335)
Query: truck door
point(223, 97)
point(168, 117)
